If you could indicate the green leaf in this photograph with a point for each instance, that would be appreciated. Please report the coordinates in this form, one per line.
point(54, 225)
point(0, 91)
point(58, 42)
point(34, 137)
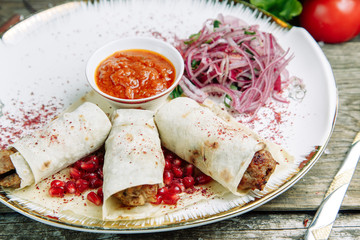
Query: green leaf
point(283, 9)
point(249, 32)
point(217, 23)
point(193, 38)
point(228, 99)
point(176, 92)
point(195, 64)
point(249, 52)
point(233, 87)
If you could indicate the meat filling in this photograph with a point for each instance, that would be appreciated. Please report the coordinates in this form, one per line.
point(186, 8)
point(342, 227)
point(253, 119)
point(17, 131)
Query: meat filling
point(5, 161)
point(8, 176)
point(12, 180)
point(138, 195)
point(259, 171)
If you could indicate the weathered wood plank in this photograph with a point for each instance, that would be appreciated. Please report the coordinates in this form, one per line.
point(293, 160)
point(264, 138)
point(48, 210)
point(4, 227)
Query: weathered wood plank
point(10, 7)
point(251, 225)
point(305, 195)
point(308, 192)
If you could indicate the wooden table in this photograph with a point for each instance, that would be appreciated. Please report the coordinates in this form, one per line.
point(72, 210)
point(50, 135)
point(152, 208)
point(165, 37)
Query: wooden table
point(285, 217)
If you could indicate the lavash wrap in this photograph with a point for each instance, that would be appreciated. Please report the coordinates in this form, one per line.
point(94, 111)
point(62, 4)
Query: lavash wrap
point(133, 157)
point(196, 134)
point(66, 139)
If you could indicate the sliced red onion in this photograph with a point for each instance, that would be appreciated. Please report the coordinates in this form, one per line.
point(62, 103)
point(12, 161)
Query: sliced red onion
point(191, 90)
point(234, 54)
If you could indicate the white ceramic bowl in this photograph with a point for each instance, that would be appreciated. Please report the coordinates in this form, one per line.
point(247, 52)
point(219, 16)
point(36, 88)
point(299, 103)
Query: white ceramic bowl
point(151, 44)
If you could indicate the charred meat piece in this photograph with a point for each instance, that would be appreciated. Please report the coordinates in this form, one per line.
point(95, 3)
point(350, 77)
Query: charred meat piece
point(11, 181)
point(259, 171)
point(138, 195)
point(5, 161)
point(8, 176)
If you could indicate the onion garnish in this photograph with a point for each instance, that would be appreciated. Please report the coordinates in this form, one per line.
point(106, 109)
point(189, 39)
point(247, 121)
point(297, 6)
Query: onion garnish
point(240, 62)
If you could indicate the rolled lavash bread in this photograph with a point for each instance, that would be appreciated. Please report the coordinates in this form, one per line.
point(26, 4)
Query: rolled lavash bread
point(62, 142)
point(133, 157)
point(200, 137)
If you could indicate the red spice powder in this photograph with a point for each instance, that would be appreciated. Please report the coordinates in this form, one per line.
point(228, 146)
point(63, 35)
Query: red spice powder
point(269, 121)
point(23, 118)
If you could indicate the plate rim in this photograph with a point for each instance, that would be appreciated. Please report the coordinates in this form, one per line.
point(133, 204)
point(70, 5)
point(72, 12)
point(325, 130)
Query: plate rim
point(183, 224)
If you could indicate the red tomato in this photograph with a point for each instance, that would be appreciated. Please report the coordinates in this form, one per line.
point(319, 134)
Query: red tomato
point(331, 21)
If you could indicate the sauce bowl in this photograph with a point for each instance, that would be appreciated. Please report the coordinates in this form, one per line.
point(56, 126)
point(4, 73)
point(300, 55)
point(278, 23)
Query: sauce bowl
point(151, 44)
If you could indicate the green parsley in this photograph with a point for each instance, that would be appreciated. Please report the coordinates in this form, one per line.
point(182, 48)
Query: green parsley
point(195, 64)
point(176, 92)
point(249, 32)
point(217, 23)
point(193, 38)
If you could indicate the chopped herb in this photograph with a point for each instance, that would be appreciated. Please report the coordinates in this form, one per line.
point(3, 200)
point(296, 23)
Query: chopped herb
point(227, 98)
point(195, 64)
point(249, 32)
point(176, 92)
point(227, 101)
point(233, 87)
point(193, 38)
point(249, 52)
point(217, 23)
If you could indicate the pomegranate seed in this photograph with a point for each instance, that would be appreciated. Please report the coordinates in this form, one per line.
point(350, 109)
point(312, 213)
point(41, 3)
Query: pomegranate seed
point(180, 185)
point(168, 177)
point(158, 200)
point(77, 165)
point(89, 176)
point(189, 170)
point(167, 165)
point(202, 179)
point(171, 199)
point(94, 198)
point(178, 172)
point(57, 183)
point(177, 162)
point(100, 173)
point(81, 185)
point(70, 187)
point(95, 183)
point(94, 159)
point(100, 193)
point(101, 158)
point(188, 181)
point(75, 173)
point(56, 192)
point(163, 191)
point(177, 180)
point(169, 156)
point(88, 166)
point(175, 189)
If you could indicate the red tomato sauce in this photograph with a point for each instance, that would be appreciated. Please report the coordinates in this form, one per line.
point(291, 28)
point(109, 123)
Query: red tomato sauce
point(134, 74)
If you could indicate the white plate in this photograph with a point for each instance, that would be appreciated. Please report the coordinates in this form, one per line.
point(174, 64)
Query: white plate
point(43, 58)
